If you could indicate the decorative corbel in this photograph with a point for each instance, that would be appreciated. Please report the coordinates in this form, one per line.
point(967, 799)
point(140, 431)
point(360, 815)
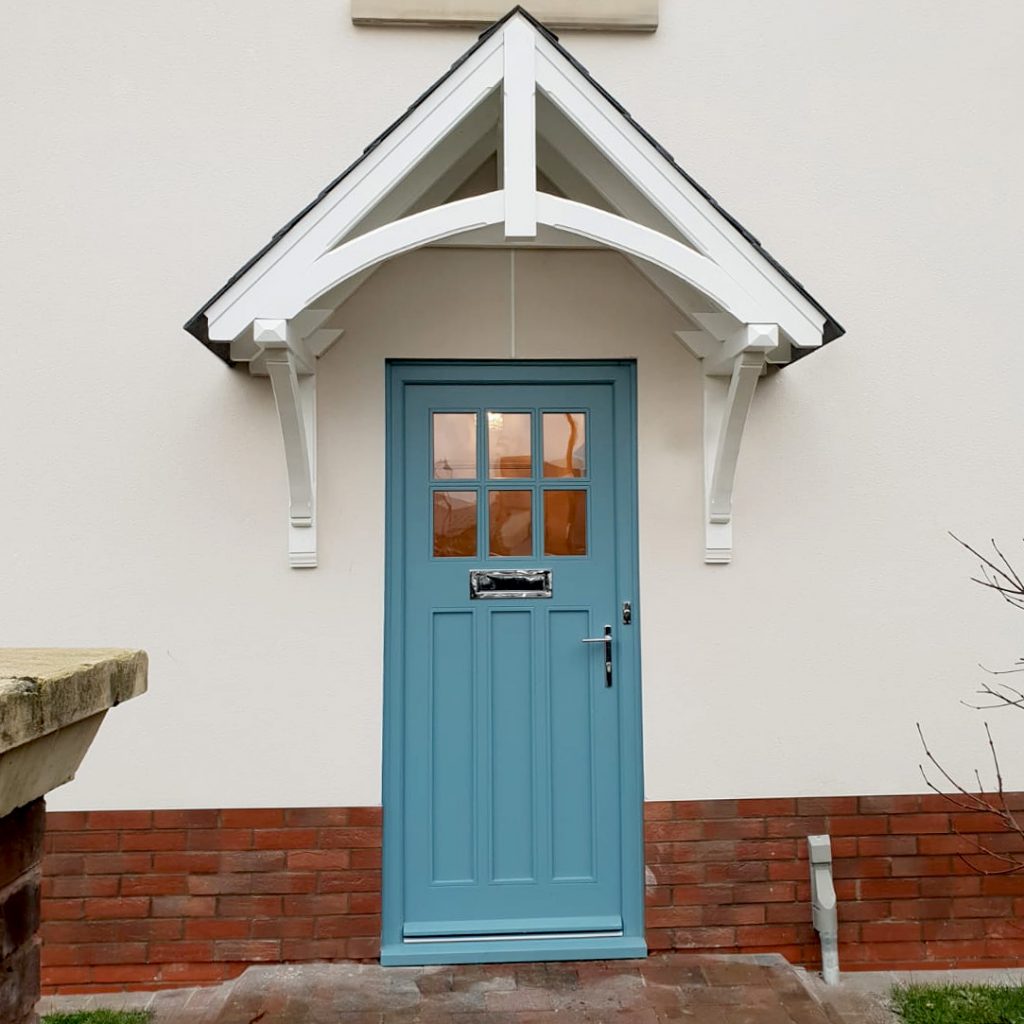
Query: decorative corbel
point(726, 405)
point(292, 372)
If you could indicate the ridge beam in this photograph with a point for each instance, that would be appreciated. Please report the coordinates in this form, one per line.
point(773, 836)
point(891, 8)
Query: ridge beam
point(295, 399)
point(726, 408)
point(519, 130)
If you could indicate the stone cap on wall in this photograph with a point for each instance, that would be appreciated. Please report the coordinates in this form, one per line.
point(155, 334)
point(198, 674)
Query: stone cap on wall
point(52, 701)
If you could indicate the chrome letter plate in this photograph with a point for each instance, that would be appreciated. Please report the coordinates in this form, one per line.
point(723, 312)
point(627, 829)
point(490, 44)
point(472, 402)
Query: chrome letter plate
point(501, 583)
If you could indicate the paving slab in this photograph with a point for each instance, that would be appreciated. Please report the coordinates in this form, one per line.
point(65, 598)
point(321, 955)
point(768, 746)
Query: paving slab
point(664, 987)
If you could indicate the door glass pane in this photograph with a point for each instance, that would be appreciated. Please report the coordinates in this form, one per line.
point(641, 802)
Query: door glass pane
point(565, 522)
point(454, 445)
point(511, 523)
point(508, 444)
point(455, 524)
point(565, 447)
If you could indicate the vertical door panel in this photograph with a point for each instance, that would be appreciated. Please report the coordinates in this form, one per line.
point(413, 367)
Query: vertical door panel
point(512, 753)
point(571, 682)
point(452, 810)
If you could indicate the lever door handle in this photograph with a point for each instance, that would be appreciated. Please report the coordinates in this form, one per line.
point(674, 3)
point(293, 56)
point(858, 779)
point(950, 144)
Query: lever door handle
point(607, 641)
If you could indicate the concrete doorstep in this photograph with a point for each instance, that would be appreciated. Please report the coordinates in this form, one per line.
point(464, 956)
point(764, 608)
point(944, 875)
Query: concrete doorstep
point(665, 987)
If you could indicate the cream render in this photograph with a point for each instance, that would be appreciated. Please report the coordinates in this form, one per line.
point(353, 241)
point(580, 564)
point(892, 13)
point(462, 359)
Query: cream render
point(147, 467)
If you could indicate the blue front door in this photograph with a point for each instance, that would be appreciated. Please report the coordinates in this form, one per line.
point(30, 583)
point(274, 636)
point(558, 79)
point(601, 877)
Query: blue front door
point(512, 544)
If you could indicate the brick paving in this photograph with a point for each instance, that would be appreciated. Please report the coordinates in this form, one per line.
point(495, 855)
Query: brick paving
point(761, 989)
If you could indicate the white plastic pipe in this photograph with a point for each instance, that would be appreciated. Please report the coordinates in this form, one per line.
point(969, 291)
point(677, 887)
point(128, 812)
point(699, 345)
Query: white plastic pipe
point(824, 912)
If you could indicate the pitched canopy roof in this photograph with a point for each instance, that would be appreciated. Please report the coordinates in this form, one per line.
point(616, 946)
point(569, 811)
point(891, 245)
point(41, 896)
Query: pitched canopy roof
point(211, 327)
point(568, 168)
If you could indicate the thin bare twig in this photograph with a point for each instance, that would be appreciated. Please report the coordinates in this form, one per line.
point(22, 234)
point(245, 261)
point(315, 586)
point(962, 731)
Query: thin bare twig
point(997, 574)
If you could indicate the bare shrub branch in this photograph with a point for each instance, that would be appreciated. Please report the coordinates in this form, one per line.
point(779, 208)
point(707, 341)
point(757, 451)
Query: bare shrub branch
point(998, 574)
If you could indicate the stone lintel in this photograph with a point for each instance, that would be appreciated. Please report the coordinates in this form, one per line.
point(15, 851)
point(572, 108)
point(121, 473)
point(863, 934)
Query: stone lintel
point(608, 15)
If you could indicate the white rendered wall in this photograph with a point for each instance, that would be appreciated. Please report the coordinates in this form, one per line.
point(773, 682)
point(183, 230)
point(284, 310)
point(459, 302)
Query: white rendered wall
point(875, 149)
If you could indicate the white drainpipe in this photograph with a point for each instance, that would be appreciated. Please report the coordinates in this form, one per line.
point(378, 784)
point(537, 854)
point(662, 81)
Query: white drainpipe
point(823, 905)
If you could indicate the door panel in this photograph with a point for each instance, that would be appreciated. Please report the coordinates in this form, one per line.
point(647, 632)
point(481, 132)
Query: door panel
point(451, 736)
point(511, 741)
point(572, 747)
point(513, 837)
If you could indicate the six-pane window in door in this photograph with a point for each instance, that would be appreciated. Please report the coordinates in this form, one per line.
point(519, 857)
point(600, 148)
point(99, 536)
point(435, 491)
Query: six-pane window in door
point(538, 452)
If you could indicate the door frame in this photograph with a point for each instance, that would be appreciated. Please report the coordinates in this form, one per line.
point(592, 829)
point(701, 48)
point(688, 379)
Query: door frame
point(621, 375)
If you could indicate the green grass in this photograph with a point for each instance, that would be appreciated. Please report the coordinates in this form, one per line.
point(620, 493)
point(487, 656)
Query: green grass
point(100, 1017)
point(959, 1004)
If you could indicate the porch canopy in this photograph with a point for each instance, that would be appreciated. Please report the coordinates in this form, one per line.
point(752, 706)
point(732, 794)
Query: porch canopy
point(574, 170)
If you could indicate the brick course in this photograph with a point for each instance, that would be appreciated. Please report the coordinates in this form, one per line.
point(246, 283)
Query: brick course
point(141, 899)
point(731, 876)
point(158, 899)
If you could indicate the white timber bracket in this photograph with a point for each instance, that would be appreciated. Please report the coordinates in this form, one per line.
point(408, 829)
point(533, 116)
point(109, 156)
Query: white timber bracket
point(519, 130)
point(292, 372)
point(727, 402)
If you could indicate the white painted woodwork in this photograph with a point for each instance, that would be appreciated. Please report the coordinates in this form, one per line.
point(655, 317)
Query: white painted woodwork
point(700, 343)
point(679, 201)
point(578, 182)
point(719, 325)
point(636, 240)
point(295, 399)
point(647, 171)
point(519, 131)
point(493, 237)
point(434, 178)
point(616, 15)
point(464, 215)
point(635, 202)
point(429, 183)
point(762, 338)
point(388, 241)
point(566, 155)
point(782, 354)
point(726, 406)
point(342, 208)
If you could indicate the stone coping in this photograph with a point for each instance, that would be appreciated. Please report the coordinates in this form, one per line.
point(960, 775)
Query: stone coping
point(46, 689)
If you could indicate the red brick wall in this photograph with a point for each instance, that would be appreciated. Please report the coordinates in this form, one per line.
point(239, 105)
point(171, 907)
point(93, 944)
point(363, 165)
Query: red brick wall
point(163, 898)
point(154, 899)
point(732, 876)
point(21, 849)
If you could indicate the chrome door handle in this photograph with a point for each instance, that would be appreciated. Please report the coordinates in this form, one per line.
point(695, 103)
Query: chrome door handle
point(607, 641)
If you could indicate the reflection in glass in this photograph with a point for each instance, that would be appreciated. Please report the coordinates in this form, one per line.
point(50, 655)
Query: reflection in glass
point(454, 445)
point(508, 444)
point(565, 443)
point(565, 522)
point(510, 523)
point(454, 524)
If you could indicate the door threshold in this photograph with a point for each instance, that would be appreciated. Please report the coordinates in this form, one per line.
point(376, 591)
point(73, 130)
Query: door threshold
point(504, 949)
point(506, 937)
